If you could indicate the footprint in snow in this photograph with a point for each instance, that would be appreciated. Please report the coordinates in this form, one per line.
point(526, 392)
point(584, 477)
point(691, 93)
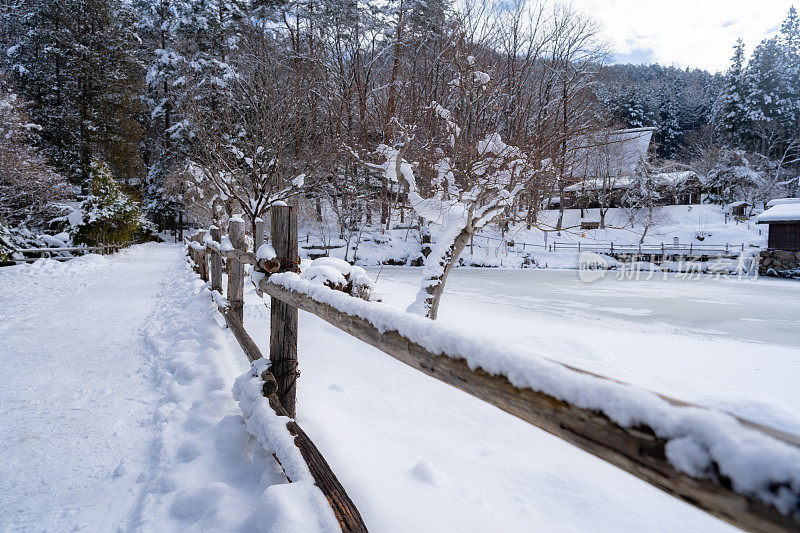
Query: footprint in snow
point(188, 451)
point(121, 470)
point(426, 473)
point(336, 387)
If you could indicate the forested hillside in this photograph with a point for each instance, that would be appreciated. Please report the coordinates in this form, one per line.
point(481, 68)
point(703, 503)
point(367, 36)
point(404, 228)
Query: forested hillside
point(205, 108)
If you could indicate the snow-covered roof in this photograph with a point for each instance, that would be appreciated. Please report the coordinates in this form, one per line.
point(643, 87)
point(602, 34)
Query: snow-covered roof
point(780, 213)
point(677, 177)
point(669, 179)
point(593, 184)
point(779, 201)
point(736, 204)
point(616, 152)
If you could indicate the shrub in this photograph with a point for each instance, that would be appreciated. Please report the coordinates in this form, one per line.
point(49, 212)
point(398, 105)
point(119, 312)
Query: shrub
point(12, 239)
point(109, 215)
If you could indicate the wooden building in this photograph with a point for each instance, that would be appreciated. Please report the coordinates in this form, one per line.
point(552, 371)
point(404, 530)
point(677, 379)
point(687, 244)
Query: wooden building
point(784, 226)
point(738, 209)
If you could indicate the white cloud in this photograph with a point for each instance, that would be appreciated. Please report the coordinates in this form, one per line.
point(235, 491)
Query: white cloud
point(693, 33)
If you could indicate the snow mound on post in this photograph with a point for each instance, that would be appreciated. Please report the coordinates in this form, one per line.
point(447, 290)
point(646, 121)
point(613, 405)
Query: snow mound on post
point(700, 442)
point(324, 275)
point(339, 275)
point(339, 264)
point(266, 252)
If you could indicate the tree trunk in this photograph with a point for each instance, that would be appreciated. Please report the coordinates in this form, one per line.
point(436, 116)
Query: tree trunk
point(560, 218)
point(436, 290)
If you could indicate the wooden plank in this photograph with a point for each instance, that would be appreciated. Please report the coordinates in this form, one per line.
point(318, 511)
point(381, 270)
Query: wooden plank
point(258, 240)
point(343, 507)
point(202, 256)
point(246, 342)
point(216, 262)
point(636, 450)
point(248, 258)
point(283, 317)
point(236, 269)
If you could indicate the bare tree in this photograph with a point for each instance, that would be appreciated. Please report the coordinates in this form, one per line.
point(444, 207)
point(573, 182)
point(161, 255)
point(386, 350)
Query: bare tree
point(29, 186)
point(241, 157)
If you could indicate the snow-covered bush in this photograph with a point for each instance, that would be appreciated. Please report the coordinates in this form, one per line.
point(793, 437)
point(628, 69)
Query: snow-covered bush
point(339, 275)
point(109, 215)
point(12, 239)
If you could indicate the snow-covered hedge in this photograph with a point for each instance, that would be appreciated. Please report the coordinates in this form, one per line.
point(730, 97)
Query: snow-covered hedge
point(12, 239)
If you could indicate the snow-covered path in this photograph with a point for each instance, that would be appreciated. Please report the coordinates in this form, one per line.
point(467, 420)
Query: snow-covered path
point(75, 395)
point(116, 410)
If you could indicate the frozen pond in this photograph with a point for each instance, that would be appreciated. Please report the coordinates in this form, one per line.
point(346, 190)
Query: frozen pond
point(729, 343)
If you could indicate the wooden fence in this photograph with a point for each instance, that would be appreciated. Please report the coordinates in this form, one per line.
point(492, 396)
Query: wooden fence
point(636, 449)
point(48, 252)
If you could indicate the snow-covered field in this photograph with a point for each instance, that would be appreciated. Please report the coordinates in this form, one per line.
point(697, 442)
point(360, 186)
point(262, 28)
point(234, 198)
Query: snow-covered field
point(542, 247)
point(723, 342)
point(117, 413)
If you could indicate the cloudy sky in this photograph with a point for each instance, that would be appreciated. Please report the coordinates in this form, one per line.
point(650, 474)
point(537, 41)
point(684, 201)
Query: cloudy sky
point(694, 33)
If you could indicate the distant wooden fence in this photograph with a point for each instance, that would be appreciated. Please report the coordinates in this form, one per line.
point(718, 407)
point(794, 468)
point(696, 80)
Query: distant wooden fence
point(637, 450)
point(47, 252)
point(663, 248)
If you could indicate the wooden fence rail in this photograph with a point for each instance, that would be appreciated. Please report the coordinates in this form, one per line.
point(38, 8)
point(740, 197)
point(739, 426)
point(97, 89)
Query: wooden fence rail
point(43, 252)
point(637, 450)
point(280, 393)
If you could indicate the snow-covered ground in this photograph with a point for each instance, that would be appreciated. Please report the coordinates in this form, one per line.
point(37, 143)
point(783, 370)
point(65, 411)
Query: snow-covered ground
point(455, 463)
point(117, 411)
point(723, 342)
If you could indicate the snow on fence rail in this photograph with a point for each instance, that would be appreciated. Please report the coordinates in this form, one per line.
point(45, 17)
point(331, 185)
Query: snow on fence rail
point(47, 252)
point(740, 472)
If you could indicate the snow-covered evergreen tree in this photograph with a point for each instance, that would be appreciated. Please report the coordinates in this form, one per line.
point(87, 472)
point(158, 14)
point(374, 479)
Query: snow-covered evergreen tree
point(732, 106)
point(29, 186)
point(75, 62)
point(109, 215)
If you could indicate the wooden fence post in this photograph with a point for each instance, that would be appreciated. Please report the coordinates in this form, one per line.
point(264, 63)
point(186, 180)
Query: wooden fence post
point(192, 253)
point(216, 261)
point(283, 317)
point(258, 240)
point(236, 269)
point(202, 256)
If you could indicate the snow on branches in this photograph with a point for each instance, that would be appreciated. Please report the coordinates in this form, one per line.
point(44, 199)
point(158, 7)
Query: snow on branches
point(474, 184)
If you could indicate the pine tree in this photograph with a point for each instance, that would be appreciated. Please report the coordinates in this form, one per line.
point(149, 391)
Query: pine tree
point(75, 62)
point(109, 215)
point(790, 31)
point(768, 87)
point(157, 27)
point(732, 105)
point(790, 36)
